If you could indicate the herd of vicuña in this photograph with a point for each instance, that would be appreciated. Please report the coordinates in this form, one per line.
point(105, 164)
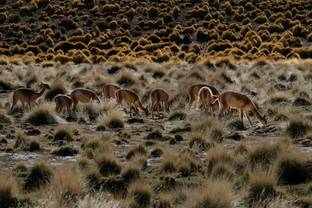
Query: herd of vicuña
point(202, 95)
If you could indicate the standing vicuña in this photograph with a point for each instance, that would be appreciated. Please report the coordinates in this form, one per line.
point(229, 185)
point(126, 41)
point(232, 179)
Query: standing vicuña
point(63, 101)
point(159, 97)
point(109, 90)
point(205, 99)
point(236, 100)
point(83, 95)
point(28, 96)
point(132, 99)
point(194, 89)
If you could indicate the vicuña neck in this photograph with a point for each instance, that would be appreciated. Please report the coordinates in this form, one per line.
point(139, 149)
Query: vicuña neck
point(41, 92)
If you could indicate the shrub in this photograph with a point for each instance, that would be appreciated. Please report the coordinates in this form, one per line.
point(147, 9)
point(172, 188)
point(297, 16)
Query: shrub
point(67, 186)
point(115, 185)
point(156, 152)
point(216, 194)
point(275, 28)
point(177, 116)
point(108, 166)
point(63, 134)
point(131, 175)
point(216, 156)
point(65, 151)
point(126, 80)
point(261, 19)
point(263, 154)
point(236, 125)
point(40, 117)
point(301, 102)
point(300, 31)
point(7, 198)
point(113, 120)
point(297, 129)
point(164, 202)
point(202, 143)
point(262, 186)
point(229, 35)
point(156, 135)
point(39, 176)
point(139, 150)
point(309, 37)
point(5, 119)
point(34, 146)
point(168, 166)
point(292, 169)
point(69, 24)
point(141, 196)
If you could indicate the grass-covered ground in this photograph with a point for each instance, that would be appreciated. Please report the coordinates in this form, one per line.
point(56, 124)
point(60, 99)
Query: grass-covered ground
point(102, 158)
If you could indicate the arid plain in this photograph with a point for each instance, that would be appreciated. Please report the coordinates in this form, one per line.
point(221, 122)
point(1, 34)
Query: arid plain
point(100, 156)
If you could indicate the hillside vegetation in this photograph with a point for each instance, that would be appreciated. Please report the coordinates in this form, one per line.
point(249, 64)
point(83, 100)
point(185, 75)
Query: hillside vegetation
point(96, 31)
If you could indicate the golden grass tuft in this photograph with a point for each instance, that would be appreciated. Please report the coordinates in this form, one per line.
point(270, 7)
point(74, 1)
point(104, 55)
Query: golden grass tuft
point(67, 186)
point(112, 120)
point(215, 194)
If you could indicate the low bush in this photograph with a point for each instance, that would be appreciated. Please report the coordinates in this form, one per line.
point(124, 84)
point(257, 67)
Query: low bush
point(40, 117)
point(39, 176)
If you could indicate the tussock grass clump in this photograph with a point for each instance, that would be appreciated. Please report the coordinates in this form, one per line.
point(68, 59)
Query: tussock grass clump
point(168, 166)
point(39, 176)
point(299, 101)
point(263, 154)
point(41, 116)
point(53, 92)
point(292, 169)
point(34, 146)
point(157, 152)
point(236, 125)
point(65, 151)
point(155, 135)
point(67, 186)
point(229, 35)
point(7, 195)
point(107, 165)
point(215, 194)
point(111, 120)
point(297, 128)
point(141, 196)
point(202, 143)
point(222, 171)
point(169, 163)
point(131, 174)
point(126, 80)
point(63, 134)
point(26, 144)
point(177, 116)
point(262, 186)
point(164, 202)
point(139, 150)
point(218, 155)
point(5, 119)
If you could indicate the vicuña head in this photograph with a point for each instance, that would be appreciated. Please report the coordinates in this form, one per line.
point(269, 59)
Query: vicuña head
point(236, 100)
point(132, 99)
point(28, 96)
